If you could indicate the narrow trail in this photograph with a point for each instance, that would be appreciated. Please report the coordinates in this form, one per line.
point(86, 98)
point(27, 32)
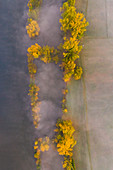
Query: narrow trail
point(90, 99)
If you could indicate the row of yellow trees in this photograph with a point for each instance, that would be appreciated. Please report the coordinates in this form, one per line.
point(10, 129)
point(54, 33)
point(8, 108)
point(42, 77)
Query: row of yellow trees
point(34, 52)
point(46, 54)
point(41, 145)
point(32, 25)
point(73, 26)
point(65, 142)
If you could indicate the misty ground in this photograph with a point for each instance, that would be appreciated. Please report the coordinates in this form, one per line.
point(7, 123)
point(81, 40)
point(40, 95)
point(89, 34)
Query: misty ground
point(89, 99)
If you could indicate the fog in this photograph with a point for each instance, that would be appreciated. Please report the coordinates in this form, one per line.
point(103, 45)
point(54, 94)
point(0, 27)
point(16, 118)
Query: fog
point(48, 78)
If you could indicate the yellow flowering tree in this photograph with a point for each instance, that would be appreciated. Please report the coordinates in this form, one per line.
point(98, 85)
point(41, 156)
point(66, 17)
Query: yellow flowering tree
point(78, 72)
point(46, 54)
point(35, 50)
point(37, 154)
point(73, 25)
point(71, 2)
point(36, 117)
point(32, 68)
point(44, 146)
point(65, 140)
point(33, 29)
point(69, 163)
point(33, 92)
point(34, 4)
point(41, 145)
point(72, 21)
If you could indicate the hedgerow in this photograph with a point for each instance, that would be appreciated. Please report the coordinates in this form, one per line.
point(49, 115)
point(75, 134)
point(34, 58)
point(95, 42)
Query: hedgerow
point(65, 142)
point(73, 26)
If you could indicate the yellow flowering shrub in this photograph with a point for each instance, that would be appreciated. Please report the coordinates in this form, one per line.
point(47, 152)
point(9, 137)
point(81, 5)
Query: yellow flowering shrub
point(69, 66)
point(72, 21)
point(64, 138)
point(33, 92)
point(36, 119)
point(30, 58)
point(78, 73)
point(67, 77)
point(69, 163)
point(40, 145)
point(37, 154)
point(55, 59)
point(64, 100)
point(34, 4)
point(71, 50)
point(64, 108)
point(36, 108)
point(71, 2)
point(65, 142)
point(33, 29)
point(35, 50)
point(45, 144)
point(73, 25)
point(71, 45)
point(65, 111)
point(32, 68)
point(46, 54)
point(64, 91)
point(36, 116)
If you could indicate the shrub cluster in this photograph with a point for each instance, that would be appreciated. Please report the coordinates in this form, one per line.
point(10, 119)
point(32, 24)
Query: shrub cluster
point(32, 29)
point(32, 4)
point(40, 145)
point(65, 142)
point(32, 26)
point(35, 52)
point(46, 54)
point(73, 25)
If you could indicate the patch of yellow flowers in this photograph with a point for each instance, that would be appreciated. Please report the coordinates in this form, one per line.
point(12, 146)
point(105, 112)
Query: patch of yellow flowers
point(33, 29)
point(64, 108)
point(65, 140)
point(41, 145)
point(33, 4)
point(78, 72)
point(73, 25)
point(46, 54)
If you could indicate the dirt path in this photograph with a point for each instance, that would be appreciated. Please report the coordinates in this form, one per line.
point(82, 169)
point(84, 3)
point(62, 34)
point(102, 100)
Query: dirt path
point(91, 98)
